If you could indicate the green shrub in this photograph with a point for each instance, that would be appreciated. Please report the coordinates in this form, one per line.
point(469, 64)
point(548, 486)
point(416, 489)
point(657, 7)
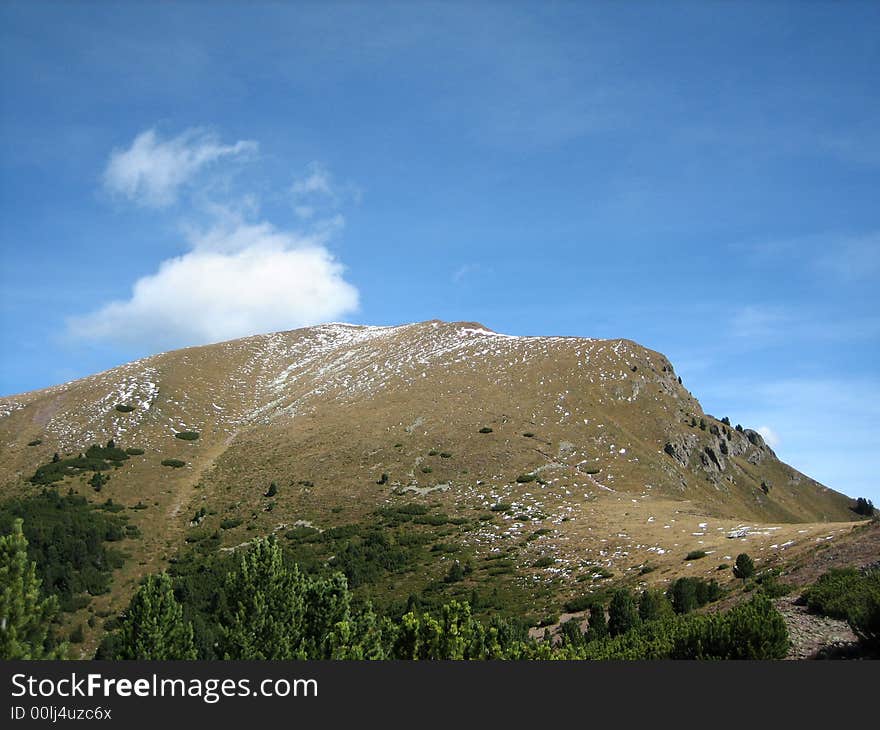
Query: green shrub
point(175, 463)
point(123, 408)
point(187, 435)
point(744, 567)
point(843, 593)
point(752, 630)
point(695, 555)
point(135, 452)
point(525, 478)
point(426, 470)
point(687, 594)
point(302, 532)
point(545, 561)
point(485, 429)
point(445, 455)
point(272, 490)
point(230, 523)
point(623, 614)
point(529, 434)
point(433, 452)
point(500, 507)
point(35, 442)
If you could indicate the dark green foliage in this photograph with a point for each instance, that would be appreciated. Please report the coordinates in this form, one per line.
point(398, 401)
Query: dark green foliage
point(500, 507)
point(545, 561)
point(445, 455)
point(597, 625)
point(695, 555)
point(66, 537)
point(134, 452)
point(687, 594)
point(77, 636)
point(433, 452)
point(844, 593)
point(725, 421)
point(383, 479)
point(272, 491)
point(123, 408)
point(702, 424)
point(153, 627)
point(529, 434)
point(187, 435)
point(230, 523)
point(753, 630)
point(581, 603)
point(35, 442)
point(108, 453)
point(654, 606)
point(525, 478)
point(456, 572)
point(485, 429)
point(864, 507)
point(426, 470)
point(571, 634)
point(98, 481)
point(26, 614)
point(623, 614)
point(739, 428)
point(96, 458)
point(645, 569)
point(174, 463)
point(744, 567)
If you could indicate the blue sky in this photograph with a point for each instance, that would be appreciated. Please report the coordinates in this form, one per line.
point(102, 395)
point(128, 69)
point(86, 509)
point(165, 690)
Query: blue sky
point(699, 177)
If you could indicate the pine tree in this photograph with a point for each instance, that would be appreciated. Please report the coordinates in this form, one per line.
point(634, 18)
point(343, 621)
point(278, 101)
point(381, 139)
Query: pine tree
point(153, 627)
point(744, 567)
point(266, 607)
point(597, 627)
point(622, 612)
point(654, 606)
point(25, 615)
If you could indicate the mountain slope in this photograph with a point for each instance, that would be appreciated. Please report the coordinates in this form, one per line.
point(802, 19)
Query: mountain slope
point(597, 456)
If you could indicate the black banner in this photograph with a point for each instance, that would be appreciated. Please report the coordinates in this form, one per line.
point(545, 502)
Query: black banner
point(408, 694)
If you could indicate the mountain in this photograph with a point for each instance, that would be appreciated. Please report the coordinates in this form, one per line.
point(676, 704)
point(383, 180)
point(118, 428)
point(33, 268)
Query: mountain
point(545, 463)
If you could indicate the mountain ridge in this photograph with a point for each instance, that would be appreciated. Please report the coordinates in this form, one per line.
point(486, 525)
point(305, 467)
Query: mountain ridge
point(572, 459)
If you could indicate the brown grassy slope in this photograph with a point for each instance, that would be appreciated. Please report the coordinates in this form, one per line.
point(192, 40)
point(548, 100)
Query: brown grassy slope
point(336, 406)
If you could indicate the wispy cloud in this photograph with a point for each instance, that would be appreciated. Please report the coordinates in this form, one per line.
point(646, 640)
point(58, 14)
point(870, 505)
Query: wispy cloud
point(152, 171)
point(317, 193)
point(835, 256)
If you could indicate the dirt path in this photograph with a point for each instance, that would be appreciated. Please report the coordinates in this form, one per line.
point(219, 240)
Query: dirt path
point(814, 636)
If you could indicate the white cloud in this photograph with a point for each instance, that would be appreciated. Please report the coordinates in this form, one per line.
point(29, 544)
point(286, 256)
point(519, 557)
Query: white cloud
point(769, 435)
point(152, 171)
point(237, 280)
